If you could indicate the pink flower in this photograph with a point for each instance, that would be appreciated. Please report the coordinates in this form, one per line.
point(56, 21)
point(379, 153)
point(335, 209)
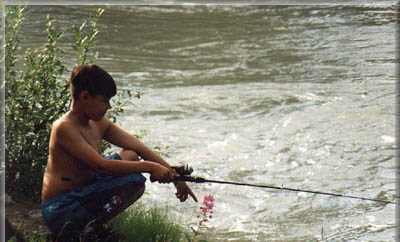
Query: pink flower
point(208, 202)
point(207, 210)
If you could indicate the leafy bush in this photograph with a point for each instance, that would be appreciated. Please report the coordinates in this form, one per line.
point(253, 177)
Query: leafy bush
point(37, 94)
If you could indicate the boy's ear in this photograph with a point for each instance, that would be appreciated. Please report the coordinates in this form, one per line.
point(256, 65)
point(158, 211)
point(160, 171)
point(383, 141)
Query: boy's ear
point(83, 96)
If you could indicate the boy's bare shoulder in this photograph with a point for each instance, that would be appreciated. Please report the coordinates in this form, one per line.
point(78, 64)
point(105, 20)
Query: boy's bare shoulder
point(63, 125)
point(63, 121)
point(104, 124)
point(66, 124)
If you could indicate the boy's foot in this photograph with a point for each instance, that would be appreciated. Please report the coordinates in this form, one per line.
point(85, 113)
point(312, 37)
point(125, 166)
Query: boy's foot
point(99, 233)
point(67, 234)
point(91, 233)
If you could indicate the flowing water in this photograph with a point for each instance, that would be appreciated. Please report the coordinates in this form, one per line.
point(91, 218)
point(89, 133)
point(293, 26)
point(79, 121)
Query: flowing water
point(299, 96)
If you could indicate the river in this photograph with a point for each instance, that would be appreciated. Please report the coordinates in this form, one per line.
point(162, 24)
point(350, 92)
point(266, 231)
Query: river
point(299, 96)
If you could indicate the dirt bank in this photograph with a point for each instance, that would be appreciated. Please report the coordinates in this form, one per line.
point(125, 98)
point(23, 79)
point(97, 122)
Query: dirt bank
point(25, 217)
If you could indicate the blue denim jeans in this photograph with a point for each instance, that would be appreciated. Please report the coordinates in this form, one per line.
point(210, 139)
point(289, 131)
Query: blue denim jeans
point(83, 205)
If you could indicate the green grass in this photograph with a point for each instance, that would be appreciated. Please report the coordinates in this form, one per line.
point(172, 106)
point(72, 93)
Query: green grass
point(139, 225)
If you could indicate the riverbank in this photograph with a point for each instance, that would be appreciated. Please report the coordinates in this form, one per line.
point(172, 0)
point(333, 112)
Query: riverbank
point(25, 217)
point(139, 224)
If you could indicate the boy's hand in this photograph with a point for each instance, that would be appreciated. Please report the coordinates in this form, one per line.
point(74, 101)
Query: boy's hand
point(161, 174)
point(183, 190)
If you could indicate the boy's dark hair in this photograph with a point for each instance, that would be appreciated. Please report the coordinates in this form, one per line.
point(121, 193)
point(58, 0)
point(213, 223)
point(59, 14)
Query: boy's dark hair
point(93, 79)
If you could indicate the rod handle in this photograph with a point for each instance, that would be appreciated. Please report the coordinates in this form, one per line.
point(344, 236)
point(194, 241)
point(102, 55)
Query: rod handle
point(190, 179)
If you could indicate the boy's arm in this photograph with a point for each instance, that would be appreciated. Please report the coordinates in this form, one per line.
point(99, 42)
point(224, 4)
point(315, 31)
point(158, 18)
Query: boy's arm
point(123, 139)
point(70, 139)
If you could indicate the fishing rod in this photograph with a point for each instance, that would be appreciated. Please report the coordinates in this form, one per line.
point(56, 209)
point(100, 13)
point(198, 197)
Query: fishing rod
point(185, 175)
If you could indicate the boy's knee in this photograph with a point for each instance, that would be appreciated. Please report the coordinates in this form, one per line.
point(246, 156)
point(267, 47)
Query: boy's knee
point(141, 189)
point(129, 155)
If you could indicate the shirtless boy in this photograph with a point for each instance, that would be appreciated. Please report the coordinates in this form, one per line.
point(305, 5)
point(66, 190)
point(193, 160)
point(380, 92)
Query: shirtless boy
point(78, 182)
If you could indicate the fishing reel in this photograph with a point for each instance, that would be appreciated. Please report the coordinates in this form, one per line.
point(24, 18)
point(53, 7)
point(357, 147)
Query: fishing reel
point(184, 172)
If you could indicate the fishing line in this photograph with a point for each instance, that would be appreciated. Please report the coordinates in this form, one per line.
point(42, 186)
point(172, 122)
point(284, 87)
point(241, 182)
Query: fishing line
point(185, 171)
